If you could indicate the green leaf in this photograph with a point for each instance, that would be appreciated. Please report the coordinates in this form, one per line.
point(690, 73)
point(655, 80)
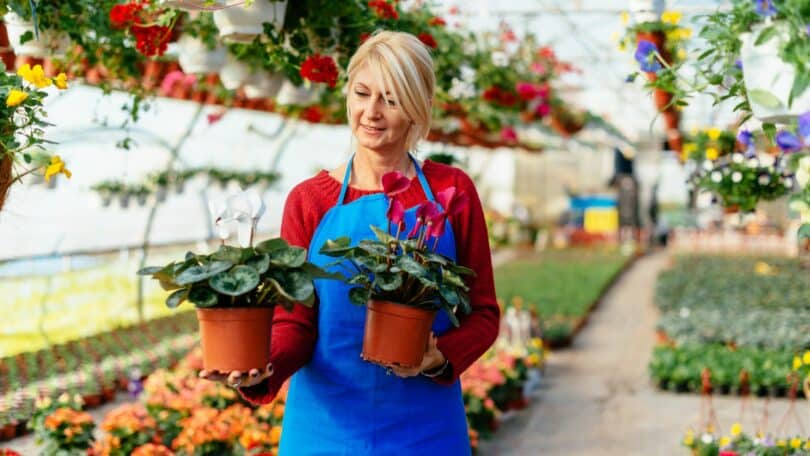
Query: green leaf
point(464, 303)
point(449, 295)
point(388, 281)
point(706, 54)
point(383, 236)
point(149, 270)
point(770, 131)
point(234, 255)
point(261, 263)
point(765, 35)
point(452, 278)
point(764, 98)
point(359, 296)
point(271, 245)
point(177, 298)
point(336, 247)
point(290, 257)
point(236, 281)
point(295, 286)
point(372, 263)
point(411, 266)
point(198, 273)
point(203, 296)
point(316, 272)
point(374, 247)
point(800, 83)
point(804, 231)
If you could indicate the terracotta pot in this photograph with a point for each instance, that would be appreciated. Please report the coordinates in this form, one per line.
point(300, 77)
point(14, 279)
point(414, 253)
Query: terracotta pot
point(662, 98)
point(675, 140)
point(153, 73)
point(6, 56)
point(108, 394)
point(396, 334)
point(8, 431)
point(92, 400)
point(5, 177)
point(235, 338)
point(671, 119)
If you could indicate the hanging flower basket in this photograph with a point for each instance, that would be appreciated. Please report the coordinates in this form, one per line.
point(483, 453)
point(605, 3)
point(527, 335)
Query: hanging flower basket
point(195, 57)
point(647, 10)
point(50, 42)
point(263, 85)
point(396, 334)
point(290, 94)
point(240, 24)
point(234, 73)
point(768, 79)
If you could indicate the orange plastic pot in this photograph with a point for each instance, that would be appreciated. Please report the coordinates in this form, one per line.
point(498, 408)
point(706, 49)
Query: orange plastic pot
point(235, 338)
point(396, 334)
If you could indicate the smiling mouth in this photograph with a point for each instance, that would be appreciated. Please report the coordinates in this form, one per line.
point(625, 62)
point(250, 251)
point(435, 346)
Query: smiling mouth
point(369, 128)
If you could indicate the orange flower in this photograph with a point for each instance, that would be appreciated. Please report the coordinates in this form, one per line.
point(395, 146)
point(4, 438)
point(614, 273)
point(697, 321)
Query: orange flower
point(275, 435)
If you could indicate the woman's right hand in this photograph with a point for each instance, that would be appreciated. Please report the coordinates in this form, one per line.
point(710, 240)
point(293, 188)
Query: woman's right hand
point(237, 379)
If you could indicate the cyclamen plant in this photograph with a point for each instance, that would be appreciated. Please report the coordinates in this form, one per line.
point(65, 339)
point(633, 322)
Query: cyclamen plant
point(407, 270)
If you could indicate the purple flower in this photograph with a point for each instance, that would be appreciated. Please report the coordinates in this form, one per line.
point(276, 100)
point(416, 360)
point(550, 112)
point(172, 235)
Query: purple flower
point(765, 8)
point(804, 127)
point(745, 138)
point(738, 64)
point(808, 29)
point(788, 142)
point(646, 56)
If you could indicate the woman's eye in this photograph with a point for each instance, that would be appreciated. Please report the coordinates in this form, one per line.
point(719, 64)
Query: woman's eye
point(361, 94)
point(392, 103)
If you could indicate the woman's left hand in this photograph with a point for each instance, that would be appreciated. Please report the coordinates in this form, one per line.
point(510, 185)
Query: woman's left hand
point(433, 358)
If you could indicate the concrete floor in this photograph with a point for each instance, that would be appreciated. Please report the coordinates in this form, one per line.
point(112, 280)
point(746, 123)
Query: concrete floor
point(598, 400)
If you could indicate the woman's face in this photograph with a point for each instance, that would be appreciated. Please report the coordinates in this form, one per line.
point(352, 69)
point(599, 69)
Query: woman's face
point(378, 125)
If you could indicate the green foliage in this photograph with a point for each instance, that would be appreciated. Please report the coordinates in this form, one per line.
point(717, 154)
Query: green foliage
point(560, 285)
point(271, 273)
point(402, 271)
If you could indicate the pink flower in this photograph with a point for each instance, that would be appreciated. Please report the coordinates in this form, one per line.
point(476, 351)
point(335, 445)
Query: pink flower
point(394, 183)
point(538, 68)
point(215, 117)
point(436, 225)
point(509, 135)
point(174, 78)
point(396, 213)
point(426, 211)
point(452, 201)
point(529, 91)
point(543, 109)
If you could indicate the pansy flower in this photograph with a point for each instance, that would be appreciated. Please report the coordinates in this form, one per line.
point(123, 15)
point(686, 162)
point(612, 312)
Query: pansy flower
point(646, 56)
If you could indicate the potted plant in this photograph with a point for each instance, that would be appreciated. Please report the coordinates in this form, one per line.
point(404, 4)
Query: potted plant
point(401, 278)
point(235, 288)
point(242, 24)
point(40, 39)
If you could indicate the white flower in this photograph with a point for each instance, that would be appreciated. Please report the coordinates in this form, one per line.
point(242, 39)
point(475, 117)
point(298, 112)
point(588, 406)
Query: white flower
point(717, 177)
point(461, 89)
point(707, 438)
point(803, 172)
point(736, 177)
point(767, 160)
point(764, 179)
point(737, 157)
point(708, 165)
point(238, 212)
point(753, 162)
point(684, 312)
point(467, 73)
point(500, 59)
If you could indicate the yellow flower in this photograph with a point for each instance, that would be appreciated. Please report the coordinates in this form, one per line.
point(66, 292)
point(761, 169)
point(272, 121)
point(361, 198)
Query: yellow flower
point(688, 148)
point(34, 75)
point(625, 16)
point(724, 441)
point(795, 442)
point(15, 97)
point(622, 46)
point(689, 438)
point(736, 429)
point(60, 81)
point(681, 54)
point(712, 153)
point(684, 33)
point(763, 268)
point(781, 443)
point(806, 357)
point(797, 363)
point(537, 343)
point(807, 445)
point(713, 133)
point(671, 17)
point(55, 167)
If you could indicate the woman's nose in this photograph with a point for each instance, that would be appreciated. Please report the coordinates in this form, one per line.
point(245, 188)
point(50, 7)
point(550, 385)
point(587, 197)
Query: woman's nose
point(373, 108)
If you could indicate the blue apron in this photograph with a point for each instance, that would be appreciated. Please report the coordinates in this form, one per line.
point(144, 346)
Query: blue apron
point(339, 404)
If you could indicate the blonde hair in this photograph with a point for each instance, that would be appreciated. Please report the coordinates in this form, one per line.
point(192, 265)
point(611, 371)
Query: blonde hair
point(403, 66)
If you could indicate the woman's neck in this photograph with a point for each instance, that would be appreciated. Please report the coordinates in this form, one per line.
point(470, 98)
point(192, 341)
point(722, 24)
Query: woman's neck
point(369, 168)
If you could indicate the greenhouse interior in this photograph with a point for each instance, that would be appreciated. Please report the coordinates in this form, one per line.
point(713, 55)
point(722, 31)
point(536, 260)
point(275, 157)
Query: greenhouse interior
point(531, 215)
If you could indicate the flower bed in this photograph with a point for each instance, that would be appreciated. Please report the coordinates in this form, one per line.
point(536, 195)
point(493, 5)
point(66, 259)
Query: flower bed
point(737, 443)
point(560, 286)
point(752, 331)
point(179, 413)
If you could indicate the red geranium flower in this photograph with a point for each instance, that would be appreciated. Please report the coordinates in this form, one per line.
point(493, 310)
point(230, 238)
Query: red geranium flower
point(500, 96)
point(428, 39)
point(318, 68)
point(151, 41)
point(364, 36)
point(383, 9)
point(122, 16)
point(312, 114)
point(437, 21)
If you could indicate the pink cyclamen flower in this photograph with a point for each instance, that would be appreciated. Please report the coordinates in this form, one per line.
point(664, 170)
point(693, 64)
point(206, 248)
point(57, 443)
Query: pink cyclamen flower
point(394, 183)
point(436, 225)
point(426, 211)
point(509, 135)
point(452, 200)
point(396, 213)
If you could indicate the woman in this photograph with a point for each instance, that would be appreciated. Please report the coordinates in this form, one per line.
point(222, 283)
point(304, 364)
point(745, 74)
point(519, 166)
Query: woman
point(337, 403)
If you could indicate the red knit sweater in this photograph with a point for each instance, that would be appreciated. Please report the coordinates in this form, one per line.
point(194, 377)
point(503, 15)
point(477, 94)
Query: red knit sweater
point(294, 332)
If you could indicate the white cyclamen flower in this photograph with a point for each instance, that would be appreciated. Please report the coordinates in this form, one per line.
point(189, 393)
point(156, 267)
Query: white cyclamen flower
point(238, 212)
point(736, 177)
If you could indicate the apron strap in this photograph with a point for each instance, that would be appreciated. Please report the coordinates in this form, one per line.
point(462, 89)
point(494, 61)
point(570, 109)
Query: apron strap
point(419, 174)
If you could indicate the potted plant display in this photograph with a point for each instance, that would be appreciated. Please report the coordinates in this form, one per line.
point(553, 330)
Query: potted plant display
point(401, 278)
point(236, 288)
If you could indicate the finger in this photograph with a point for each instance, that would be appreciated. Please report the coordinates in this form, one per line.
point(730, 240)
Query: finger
point(269, 369)
point(234, 377)
point(253, 374)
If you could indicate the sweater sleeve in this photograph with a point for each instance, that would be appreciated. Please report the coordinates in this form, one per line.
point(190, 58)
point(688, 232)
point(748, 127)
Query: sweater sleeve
point(464, 345)
point(294, 332)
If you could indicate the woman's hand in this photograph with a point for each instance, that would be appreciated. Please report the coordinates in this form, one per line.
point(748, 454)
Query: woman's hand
point(433, 358)
point(237, 379)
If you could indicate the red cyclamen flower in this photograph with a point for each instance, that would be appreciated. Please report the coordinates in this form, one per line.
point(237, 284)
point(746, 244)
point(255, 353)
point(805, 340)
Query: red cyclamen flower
point(396, 213)
point(384, 9)
point(426, 211)
point(318, 68)
point(428, 39)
